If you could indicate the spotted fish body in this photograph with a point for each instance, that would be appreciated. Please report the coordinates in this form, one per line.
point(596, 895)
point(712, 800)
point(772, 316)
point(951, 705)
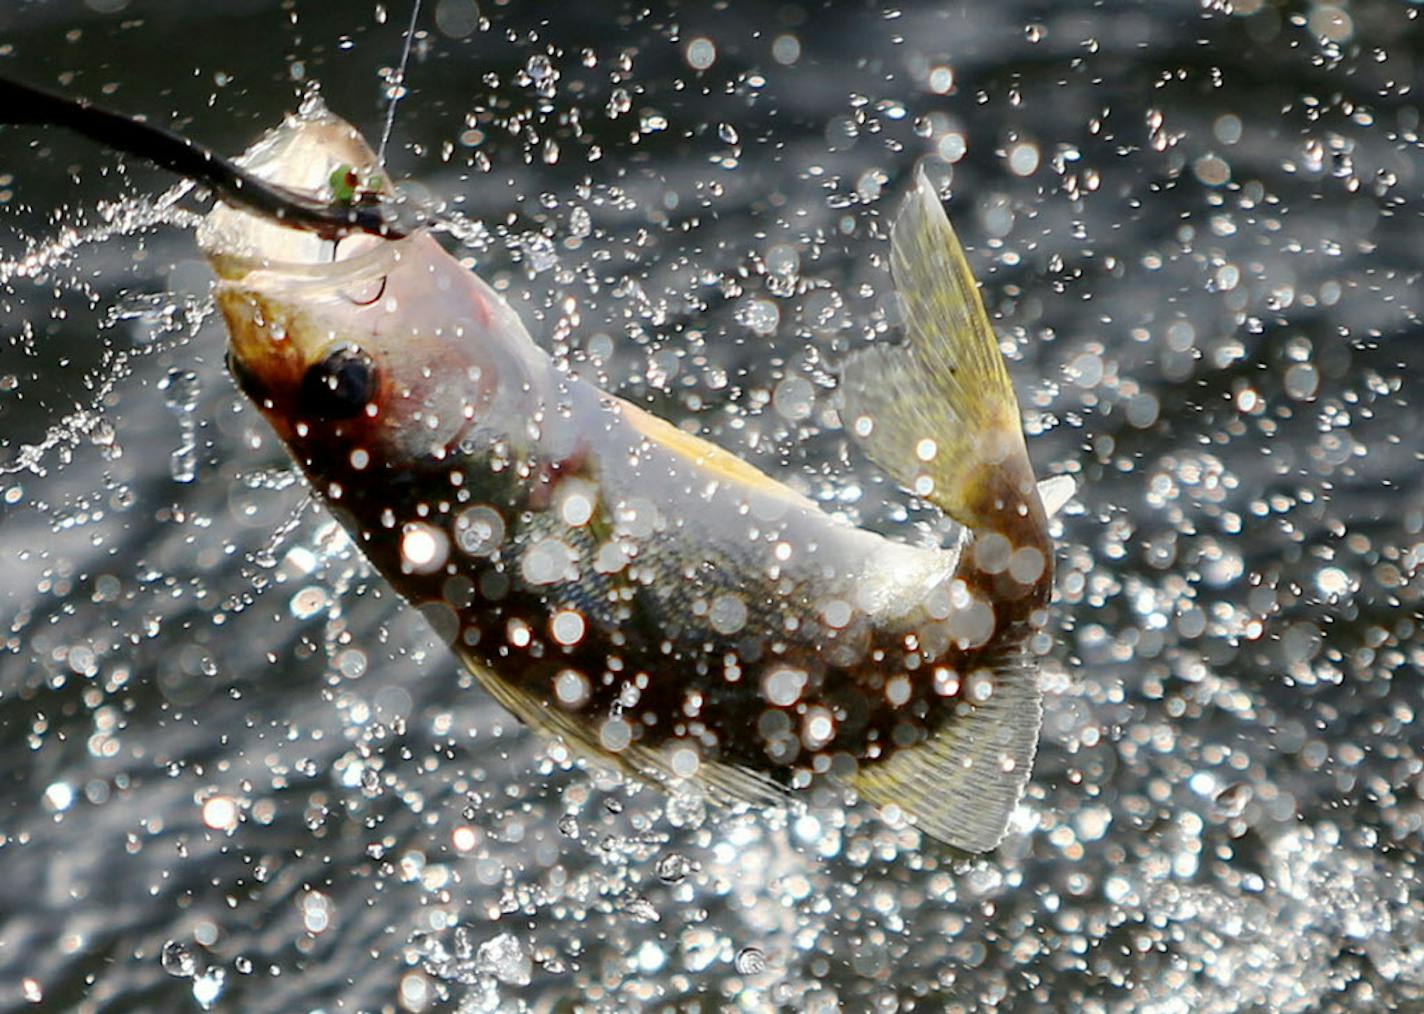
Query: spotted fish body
point(612, 580)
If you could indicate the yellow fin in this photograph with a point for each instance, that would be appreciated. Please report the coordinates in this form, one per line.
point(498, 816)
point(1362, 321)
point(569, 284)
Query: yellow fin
point(961, 785)
point(708, 458)
point(577, 733)
point(938, 413)
point(722, 784)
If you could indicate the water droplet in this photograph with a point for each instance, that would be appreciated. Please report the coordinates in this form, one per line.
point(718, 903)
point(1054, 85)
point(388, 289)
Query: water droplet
point(619, 102)
point(221, 813)
point(580, 223)
point(567, 627)
point(1023, 158)
point(59, 796)
point(794, 399)
point(750, 961)
point(761, 315)
point(1301, 381)
point(572, 688)
point(548, 561)
point(539, 251)
point(673, 868)
point(181, 392)
point(642, 909)
point(479, 531)
point(786, 49)
point(208, 987)
point(457, 18)
point(687, 809)
point(727, 614)
point(177, 960)
point(701, 53)
point(424, 548)
point(783, 684)
point(505, 958)
point(1231, 801)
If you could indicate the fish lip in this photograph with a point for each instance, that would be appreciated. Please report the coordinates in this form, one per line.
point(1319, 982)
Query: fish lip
point(243, 269)
point(299, 155)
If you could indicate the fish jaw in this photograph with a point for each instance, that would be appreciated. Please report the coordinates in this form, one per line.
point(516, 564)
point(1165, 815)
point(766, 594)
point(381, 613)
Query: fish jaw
point(433, 342)
point(309, 153)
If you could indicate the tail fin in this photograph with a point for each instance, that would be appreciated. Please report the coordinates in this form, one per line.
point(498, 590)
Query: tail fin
point(938, 413)
point(961, 785)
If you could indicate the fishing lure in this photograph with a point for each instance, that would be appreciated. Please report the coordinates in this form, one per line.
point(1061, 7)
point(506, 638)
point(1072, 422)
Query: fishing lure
point(651, 599)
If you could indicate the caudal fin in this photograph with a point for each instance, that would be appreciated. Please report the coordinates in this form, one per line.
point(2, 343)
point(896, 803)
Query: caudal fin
point(938, 413)
point(961, 784)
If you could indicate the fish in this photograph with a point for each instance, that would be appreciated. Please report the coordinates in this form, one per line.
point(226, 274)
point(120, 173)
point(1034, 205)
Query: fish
point(649, 598)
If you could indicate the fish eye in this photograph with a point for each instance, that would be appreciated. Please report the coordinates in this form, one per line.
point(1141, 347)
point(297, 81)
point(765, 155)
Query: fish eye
point(340, 385)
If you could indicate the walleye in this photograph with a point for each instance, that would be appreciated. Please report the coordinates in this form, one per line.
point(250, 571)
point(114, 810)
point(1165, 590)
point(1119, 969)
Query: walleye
point(612, 580)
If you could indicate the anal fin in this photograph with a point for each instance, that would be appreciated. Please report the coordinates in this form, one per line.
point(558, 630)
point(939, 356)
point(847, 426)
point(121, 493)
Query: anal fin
point(723, 784)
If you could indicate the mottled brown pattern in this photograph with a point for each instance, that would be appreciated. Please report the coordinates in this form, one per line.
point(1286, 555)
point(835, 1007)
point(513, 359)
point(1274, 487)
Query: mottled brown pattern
point(732, 724)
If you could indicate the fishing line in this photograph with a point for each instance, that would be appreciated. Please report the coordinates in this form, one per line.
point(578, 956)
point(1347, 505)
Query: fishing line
point(398, 85)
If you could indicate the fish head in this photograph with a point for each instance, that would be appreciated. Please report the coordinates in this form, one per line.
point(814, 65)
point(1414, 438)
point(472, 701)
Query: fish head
point(365, 349)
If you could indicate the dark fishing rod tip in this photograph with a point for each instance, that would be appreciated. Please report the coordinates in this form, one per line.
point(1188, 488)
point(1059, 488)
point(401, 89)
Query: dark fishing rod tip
point(25, 104)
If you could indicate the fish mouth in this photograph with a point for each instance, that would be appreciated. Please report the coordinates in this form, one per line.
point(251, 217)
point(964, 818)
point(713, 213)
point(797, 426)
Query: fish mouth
point(316, 154)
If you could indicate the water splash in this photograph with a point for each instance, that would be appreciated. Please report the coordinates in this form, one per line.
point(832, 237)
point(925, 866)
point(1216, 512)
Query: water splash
point(181, 390)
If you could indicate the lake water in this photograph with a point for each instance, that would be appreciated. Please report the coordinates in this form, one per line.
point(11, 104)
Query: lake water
point(237, 774)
